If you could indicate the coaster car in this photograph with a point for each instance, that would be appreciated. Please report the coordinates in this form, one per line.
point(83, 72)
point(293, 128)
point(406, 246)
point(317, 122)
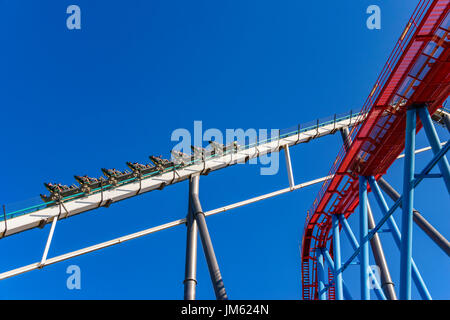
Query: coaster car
point(198, 152)
point(141, 169)
point(160, 163)
point(181, 158)
point(115, 176)
point(220, 149)
point(59, 191)
point(87, 184)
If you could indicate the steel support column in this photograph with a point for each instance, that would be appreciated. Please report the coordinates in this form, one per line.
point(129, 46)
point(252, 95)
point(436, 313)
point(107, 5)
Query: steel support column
point(331, 265)
point(378, 253)
point(190, 279)
point(289, 166)
point(354, 243)
point(321, 275)
point(419, 220)
point(377, 248)
point(395, 231)
point(447, 122)
point(337, 258)
point(395, 206)
point(435, 144)
point(407, 205)
point(208, 249)
point(346, 138)
point(49, 241)
point(363, 232)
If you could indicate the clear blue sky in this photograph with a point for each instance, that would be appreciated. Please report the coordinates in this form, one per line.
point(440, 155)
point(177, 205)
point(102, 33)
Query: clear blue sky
point(75, 101)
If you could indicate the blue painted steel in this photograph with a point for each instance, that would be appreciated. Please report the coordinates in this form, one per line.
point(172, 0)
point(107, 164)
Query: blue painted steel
point(321, 276)
point(397, 203)
point(351, 236)
point(407, 206)
point(348, 231)
point(337, 258)
point(435, 144)
point(363, 232)
point(326, 254)
point(418, 280)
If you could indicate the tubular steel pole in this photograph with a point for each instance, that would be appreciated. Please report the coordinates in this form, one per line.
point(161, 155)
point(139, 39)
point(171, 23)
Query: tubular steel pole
point(395, 231)
point(421, 222)
point(447, 122)
point(378, 253)
point(321, 275)
point(377, 248)
point(346, 138)
point(289, 166)
point(363, 232)
point(354, 243)
point(407, 206)
point(190, 280)
point(331, 265)
point(435, 144)
point(337, 258)
point(49, 240)
point(208, 249)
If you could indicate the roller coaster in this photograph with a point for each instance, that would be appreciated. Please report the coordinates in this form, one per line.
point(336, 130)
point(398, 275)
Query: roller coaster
point(408, 95)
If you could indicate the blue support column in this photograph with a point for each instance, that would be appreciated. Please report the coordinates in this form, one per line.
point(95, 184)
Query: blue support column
point(407, 206)
point(321, 275)
point(435, 143)
point(337, 258)
point(363, 231)
point(395, 231)
point(331, 265)
point(351, 236)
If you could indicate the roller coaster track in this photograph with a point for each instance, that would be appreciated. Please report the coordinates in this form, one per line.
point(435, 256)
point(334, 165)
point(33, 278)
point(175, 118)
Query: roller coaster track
point(43, 213)
point(416, 73)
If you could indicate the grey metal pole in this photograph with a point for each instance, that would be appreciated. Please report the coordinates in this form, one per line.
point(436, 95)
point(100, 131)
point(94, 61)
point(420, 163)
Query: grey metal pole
point(380, 259)
point(421, 222)
point(208, 249)
point(378, 253)
point(345, 137)
point(190, 278)
point(447, 121)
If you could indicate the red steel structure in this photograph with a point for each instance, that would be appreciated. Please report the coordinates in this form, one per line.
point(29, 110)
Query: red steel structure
point(417, 72)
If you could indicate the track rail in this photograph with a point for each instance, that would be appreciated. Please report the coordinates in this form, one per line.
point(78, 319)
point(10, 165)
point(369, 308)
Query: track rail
point(44, 213)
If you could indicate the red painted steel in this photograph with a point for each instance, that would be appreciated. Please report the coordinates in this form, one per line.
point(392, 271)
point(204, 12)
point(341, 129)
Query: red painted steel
point(417, 71)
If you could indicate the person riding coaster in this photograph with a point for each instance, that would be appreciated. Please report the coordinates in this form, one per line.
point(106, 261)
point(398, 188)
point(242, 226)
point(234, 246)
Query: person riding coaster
point(180, 157)
point(59, 191)
point(87, 184)
point(161, 163)
point(141, 169)
point(115, 176)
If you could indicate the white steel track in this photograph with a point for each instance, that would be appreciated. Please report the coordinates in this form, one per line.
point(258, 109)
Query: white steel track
point(94, 201)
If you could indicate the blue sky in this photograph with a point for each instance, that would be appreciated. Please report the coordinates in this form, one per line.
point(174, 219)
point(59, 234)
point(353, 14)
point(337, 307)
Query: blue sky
point(74, 101)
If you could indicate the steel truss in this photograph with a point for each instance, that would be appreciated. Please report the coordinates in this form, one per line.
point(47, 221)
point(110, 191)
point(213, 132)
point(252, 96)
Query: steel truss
point(416, 76)
point(403, 239)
